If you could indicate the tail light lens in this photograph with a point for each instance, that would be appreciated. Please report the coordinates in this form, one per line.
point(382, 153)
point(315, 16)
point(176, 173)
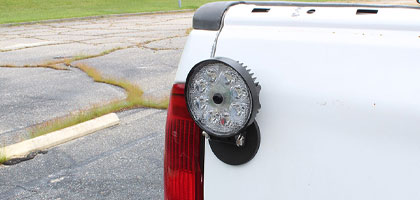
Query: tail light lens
point(183, 162)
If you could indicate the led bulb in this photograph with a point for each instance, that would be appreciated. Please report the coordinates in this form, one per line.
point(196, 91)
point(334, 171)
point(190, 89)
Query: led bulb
point(238, 108)
point(212, 74)
point(200, 85)
point(238, 92)
point(200, 102)
point(229, 77)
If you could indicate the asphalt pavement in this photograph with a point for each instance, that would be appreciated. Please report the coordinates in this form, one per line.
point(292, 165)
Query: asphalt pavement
point(121, 162)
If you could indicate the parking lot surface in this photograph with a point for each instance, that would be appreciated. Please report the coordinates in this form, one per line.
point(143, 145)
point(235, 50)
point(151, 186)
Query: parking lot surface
point(125, 161)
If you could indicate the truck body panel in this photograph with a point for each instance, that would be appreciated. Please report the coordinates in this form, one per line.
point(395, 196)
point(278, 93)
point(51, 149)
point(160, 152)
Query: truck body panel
point(340, 102)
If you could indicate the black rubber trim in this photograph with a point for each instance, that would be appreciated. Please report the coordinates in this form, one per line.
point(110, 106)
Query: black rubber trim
point(210, 15)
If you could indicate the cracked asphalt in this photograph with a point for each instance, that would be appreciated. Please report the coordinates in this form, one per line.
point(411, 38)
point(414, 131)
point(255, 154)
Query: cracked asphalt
point(125, 161)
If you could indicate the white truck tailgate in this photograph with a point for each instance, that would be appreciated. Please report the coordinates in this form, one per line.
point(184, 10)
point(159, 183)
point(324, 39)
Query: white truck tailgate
point(340, 97)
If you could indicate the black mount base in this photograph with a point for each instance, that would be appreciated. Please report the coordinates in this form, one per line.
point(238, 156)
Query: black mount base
point(227, 151)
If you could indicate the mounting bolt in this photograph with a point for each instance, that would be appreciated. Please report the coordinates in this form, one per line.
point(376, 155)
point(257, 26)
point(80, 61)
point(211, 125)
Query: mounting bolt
point(240, 140)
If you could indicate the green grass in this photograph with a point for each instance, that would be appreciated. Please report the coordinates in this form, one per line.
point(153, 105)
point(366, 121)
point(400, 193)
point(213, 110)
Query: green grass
point(2, 156)
point(12, 11)
point(46, 65)
point(35, 10)
point(134, 95)
point(134, 99)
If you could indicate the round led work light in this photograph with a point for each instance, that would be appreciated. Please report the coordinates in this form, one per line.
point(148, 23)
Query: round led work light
point(222, 97)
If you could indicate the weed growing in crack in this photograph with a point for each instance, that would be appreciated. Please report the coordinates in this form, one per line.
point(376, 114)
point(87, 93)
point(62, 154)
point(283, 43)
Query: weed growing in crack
point(72, 119)
point(134, 99)
point(84, 57)
point(2, 156)
point(50, 65)
point(134, 93)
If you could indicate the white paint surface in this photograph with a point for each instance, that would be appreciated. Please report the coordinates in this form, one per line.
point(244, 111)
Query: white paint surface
point(197, 48)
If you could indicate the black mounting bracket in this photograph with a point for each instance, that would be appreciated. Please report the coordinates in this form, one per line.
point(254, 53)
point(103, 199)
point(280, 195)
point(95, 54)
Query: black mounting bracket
point(239, 149)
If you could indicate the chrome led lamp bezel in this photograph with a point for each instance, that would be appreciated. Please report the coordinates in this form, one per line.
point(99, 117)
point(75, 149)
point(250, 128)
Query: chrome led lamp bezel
point(244, 73)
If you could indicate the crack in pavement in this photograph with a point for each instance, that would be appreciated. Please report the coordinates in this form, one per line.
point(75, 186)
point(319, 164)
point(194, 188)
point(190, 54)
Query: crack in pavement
point(84, 41)
point(74, 166)
point(53, 64)
point(66, 62)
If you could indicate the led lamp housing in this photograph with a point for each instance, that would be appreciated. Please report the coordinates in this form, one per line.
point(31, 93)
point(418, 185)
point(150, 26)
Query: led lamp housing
point(222, 96)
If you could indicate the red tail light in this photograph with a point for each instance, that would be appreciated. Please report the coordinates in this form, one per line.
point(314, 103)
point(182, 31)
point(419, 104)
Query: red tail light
point(183, 168)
